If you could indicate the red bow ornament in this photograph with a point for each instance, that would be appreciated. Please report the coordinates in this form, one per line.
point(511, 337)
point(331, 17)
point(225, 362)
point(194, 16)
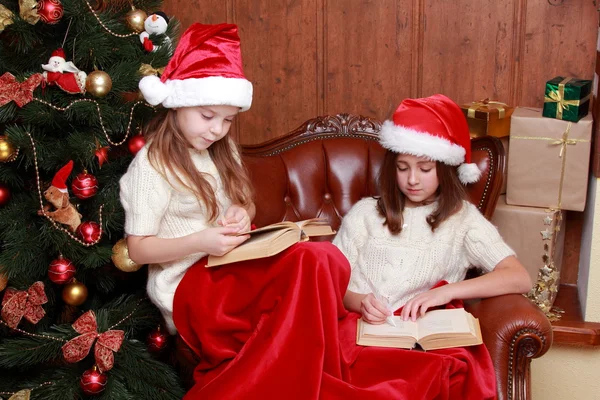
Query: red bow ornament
point(19, 92)
point(108, 342)
point(17, 304)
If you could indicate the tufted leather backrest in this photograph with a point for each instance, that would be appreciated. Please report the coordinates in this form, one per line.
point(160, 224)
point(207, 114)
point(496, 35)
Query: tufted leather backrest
point(329, 163)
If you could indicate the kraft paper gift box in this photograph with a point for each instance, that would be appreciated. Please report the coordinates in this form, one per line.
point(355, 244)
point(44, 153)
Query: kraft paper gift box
point(567, 98)
point(488, 117)
point(549, 161)
point(537, 235)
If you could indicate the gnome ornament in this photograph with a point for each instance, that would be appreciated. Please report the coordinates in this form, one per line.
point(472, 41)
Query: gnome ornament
point(63, 73)
point(58, 196)
point(155, 24)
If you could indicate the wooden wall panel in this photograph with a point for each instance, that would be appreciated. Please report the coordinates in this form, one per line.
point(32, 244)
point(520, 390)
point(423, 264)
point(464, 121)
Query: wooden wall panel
point(467, 49)
point(560, 39)
point(368, 57)
point(315, 57)
point(204, 11)
point(280, 59)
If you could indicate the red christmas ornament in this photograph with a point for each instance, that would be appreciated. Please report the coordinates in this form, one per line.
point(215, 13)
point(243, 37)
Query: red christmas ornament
point(50, 11)
point(84, 185)
point(102, 155)
point(157, 340)
point(4, 195)
point(89, 231)
point(93, 381)
point(61, 270)
point(135, 143)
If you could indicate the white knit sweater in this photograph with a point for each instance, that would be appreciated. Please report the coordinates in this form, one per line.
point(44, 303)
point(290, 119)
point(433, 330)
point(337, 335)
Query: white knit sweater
point(410, 263)
point(157, 207)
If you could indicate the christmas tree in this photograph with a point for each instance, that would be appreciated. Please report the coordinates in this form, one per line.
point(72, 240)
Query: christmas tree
point(75, 320)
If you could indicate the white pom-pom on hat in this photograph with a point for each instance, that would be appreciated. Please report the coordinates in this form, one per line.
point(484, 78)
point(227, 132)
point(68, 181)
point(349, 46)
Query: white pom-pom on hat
point(154, 90)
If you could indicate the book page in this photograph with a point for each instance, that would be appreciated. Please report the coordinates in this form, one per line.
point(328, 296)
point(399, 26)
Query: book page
point(402, 328)
point(443, 321)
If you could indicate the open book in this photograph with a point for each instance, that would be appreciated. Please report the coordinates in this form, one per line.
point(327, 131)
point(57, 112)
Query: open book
point(437, 329)
point(273, 239)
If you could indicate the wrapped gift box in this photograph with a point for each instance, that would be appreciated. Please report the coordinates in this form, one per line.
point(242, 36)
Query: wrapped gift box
point(549, 161)
point(488, 117)
point(537, 235)
point(567, 98)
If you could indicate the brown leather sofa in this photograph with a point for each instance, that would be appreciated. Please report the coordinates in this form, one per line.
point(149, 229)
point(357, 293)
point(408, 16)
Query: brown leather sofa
point(329, 163)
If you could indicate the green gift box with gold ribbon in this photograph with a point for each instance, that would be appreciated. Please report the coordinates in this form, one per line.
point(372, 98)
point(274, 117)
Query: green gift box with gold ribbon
point(567, 98)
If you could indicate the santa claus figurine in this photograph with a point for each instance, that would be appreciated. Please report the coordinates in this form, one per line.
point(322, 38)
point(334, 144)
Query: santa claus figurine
point(63, 73)
point(155, 24)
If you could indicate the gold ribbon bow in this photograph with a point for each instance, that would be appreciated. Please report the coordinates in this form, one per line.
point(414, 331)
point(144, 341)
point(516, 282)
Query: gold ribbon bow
point(558, 97)
point(6, 17)
point(490, 104)
point(565, 141)
point(147, 69)
point(28, 11)
point(24, 394)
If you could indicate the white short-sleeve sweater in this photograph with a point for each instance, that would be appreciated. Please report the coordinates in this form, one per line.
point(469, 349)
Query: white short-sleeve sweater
point(402, 266)
point(154, 207)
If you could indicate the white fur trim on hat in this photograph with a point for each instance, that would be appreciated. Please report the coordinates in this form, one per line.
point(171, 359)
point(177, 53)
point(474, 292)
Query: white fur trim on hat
point(400, 139)
point(469, 173)
point(209, 91)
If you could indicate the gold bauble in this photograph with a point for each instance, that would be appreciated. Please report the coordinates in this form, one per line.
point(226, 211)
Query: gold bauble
point(74, 293)
point(8, 152)
point(120, 257)
point(3, 281)
point(135, 20)
point(98, 83)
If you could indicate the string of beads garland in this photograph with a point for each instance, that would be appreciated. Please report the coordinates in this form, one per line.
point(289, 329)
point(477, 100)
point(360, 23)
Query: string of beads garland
point(24, 393)
point(54, 223)
point(105, 27)
point(127, 132)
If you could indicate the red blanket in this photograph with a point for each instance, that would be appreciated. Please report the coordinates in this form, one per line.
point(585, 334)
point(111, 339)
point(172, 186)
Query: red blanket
point(277, 328)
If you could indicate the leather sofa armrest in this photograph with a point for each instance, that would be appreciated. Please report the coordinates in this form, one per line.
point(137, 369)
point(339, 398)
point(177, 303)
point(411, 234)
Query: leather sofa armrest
point(515, 331)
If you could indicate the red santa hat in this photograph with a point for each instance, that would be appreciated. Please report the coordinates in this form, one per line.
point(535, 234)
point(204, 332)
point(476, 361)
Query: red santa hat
point(60, 179)
point(59, 53)
point(432, 127)
point(206, 69)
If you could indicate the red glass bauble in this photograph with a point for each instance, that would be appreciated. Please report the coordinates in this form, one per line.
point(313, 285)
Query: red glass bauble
point(93, 381)
point(136, 143)
point(61, 270)
point(89, 231)
point(50, 11)
point(157, 340)
point(4, 195)
point(84, 185)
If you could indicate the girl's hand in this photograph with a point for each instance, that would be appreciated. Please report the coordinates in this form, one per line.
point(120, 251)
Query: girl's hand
point(418, 305)
point(218, 241)
point(373, 311)
point(237, 217)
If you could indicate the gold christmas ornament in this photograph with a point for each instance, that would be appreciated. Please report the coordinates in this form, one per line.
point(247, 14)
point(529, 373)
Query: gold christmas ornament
point(74, 293)
point(120, 257)
point(135, 19)
point(6, 17)
point(8, 152)
point(98, 83)
point(3, 281)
